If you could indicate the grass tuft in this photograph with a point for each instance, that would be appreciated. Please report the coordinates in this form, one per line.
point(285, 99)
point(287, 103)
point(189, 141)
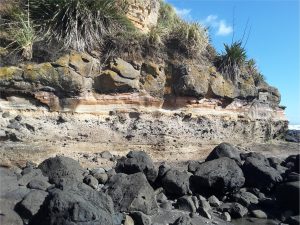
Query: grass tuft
point(80, 24)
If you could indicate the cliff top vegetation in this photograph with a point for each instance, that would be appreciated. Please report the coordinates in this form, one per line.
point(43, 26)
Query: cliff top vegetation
point(38, 30)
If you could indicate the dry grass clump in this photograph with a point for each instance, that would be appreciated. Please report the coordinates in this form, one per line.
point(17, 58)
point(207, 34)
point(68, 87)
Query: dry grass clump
point(79, 24)
point(186, 38)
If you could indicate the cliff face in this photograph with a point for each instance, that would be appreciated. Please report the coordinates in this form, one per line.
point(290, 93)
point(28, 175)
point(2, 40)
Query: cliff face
point(75, 104)
point(206, 105)
point(77, 79)
point(143, 13)
point(162, 105)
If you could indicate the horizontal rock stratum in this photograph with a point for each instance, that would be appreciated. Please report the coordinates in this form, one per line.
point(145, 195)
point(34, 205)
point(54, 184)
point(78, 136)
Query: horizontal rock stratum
point(166, 106)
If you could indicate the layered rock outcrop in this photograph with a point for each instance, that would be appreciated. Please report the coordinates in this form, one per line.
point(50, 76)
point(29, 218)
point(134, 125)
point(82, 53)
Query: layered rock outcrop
point(78, 77)
point(169, 106)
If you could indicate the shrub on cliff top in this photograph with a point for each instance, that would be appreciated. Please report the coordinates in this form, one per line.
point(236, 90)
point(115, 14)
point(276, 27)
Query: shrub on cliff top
point(253, 70)
point(187, 38)
point(18, 27)
point(232, 60)
point(233, 63)
point(79, 24)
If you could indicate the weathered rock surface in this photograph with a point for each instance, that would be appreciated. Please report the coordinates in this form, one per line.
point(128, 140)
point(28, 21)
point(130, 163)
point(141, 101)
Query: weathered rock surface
point(140, 218)
point(61, 167)
point(260, 174)
point(236, 210)
point(139, 194)
point(119, 77)
point(38, 184)
point(190, 81)
point(135, 162)
point(153, 79)
point(187, 203)
point(70, 201)
point(224, 150)
point(8, 216)
point(34, 174)
point(76, 206)
point(219, 175)
point(288, 195)
point(245, 198)
point(31, 203)
point(176, 183)
point(68, 76)
point(183, 220)
point(143, 14)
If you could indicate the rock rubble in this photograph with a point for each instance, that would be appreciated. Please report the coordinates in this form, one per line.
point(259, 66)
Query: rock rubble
point(222, 188)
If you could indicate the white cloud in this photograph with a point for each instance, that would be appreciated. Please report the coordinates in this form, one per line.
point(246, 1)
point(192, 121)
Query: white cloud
point(211, 19)
point(184, 13)
point(224, 29)
point(221, 27)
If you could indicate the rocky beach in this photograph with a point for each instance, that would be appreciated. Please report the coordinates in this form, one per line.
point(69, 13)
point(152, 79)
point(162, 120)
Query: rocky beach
point(230, 184)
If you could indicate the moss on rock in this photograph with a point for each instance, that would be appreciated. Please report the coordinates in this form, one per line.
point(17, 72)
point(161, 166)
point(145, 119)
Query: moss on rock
point(7, 73)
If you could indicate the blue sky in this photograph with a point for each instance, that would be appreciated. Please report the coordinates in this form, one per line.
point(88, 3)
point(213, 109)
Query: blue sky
point(273, 41)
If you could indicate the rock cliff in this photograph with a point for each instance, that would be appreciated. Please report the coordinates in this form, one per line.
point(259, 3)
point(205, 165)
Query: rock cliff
point(166, 103)
point(143, 13)
point(166, 108)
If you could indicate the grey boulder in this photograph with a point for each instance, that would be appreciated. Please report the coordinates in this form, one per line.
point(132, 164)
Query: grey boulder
point(137, 161)
point(140, 218)
point(260, 174)
point(224, 150)
point(132, 193)
point(245, 198)
point(31, 203)
point(187, 203)
point(7, 214)
point(61, 167)
point(183, 220)
point(217, 176)
point(288, 194)
point(176, 183)
point(235, 210)
point(39, 184)
point(79, 205)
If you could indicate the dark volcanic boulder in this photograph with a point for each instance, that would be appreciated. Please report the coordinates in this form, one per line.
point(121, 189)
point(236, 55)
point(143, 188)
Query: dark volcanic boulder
point(132, 193)
point(288, 195)
point(140, 218)
point(183, 220)
point(260, 174)
point(31, 204)
point(255, 155)
point(235, 210)
point(61, 167)
point(224, 150)
point(219, 175)
point(176, 182)
point(187, 203)
point(34, 174)
point(293, 136)
point(10, 179)
point(76, 206)
point(245, 198)
point(137, 161)
point(293, 220)
point(293, 163)
point(8, 216)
